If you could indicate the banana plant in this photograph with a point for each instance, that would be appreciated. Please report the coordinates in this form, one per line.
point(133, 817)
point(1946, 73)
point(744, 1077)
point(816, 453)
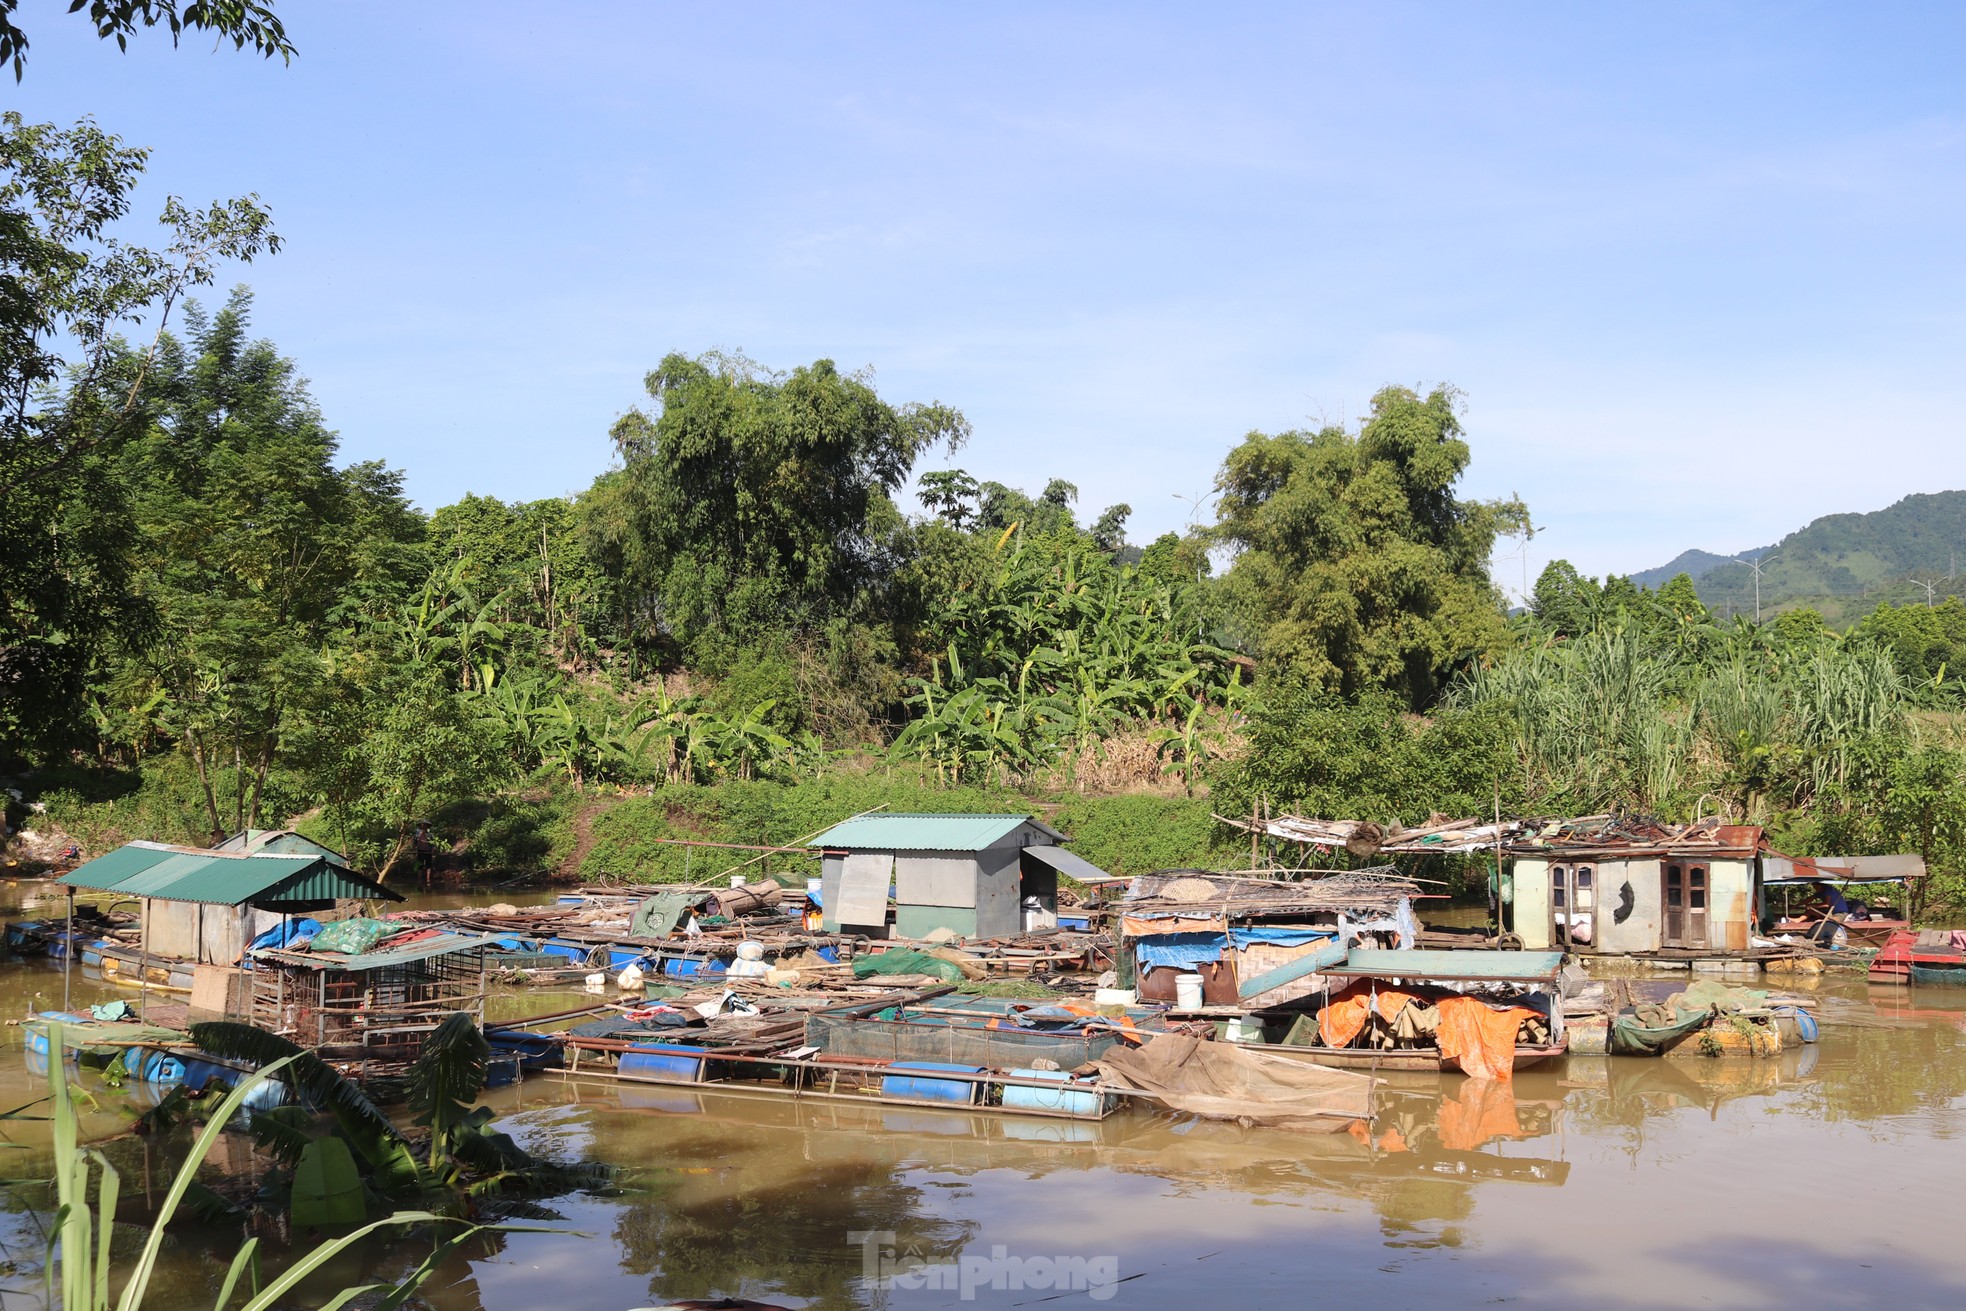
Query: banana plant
point(88, 1190)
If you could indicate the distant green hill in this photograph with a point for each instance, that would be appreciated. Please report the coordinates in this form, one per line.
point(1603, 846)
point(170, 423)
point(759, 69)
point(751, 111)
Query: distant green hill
point(1842, 564)
point(1694, 564)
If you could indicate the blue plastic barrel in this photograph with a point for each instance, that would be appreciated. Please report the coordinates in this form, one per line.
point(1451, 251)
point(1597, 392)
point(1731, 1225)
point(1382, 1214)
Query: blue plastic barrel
point(672, 1064)
point(916, 1088)
point(675, 966)
point(1066, 1100)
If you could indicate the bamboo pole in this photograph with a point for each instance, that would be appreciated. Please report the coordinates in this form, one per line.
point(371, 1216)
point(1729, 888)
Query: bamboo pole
point(797, 844)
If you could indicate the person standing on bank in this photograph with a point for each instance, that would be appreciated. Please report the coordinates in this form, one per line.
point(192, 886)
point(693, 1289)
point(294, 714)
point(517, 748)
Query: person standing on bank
point(426, 854)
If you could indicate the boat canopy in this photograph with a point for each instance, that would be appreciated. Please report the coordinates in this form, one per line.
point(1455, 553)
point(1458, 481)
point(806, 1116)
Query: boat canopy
point(1422, 965)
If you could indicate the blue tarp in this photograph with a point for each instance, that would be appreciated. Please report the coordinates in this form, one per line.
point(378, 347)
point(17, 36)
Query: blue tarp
point(1279, 937)
point(282, 935)
point(1178, 950)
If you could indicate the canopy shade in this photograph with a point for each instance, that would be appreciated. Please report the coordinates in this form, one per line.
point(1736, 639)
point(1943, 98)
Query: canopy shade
point(1420, 964)
point(1071, 865)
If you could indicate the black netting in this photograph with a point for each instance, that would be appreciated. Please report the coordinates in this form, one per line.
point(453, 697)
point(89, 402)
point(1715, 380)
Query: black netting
point(996, 1049)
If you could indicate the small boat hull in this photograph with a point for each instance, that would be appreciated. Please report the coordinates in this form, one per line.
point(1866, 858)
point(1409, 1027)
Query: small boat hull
point(1420, 1060)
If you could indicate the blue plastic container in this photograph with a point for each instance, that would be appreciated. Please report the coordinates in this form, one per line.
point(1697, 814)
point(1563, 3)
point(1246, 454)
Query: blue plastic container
point(1082, 923)
point(162, 1071)
point(830, 953)
point(573, 951)
point(534, 1051)
point(620, 958)
point(1063, 1101)
point(681, 966)
point(1805, 1023)
point(918, 1089)
point(570, 899)
point(502, 1070)
point(670, 1064)
point(37, 1037)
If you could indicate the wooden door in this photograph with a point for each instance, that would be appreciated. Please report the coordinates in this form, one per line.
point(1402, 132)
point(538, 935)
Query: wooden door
point(1696, 906)
point(1686, 906)
point(1573, 895)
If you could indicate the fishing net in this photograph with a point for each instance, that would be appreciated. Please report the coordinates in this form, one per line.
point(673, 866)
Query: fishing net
point(957, 1044)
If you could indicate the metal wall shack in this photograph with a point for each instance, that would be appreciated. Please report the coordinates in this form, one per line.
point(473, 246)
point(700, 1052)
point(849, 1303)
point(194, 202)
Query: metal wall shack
point(977, 876)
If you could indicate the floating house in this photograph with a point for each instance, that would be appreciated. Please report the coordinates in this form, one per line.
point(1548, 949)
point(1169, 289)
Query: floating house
point(204, 906)
point(1600, 886)
point(1257, 943)
point(977, 876)
point(1611, 886)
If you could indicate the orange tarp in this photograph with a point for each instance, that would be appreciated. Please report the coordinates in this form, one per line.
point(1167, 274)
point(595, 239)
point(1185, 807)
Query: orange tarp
point(1484, 1111)
point(1140, 926)
point(1345, 1015)
point(1481, 1036)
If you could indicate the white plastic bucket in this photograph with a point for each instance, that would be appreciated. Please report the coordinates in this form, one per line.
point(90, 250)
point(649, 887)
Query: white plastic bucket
point(1114, 997)
point(1187, 992)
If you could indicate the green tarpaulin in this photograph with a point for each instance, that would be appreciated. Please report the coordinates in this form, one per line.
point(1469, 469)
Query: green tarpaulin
point(1645, 1035)
point(658, 916)
point(904, 960)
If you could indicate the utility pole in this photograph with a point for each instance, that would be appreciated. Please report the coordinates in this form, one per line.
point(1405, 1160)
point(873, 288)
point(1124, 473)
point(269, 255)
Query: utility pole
point(1195, 503)
point(1527, 533)
point(1755, 564)
point(1929, 588)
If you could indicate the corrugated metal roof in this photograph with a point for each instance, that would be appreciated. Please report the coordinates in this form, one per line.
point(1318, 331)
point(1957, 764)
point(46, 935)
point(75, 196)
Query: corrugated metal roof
point(279, 841)
point(1420, 964)
point(887, 832)
point(1068, 863)
point(148, 869)
point(424, 949)
point(111, 868)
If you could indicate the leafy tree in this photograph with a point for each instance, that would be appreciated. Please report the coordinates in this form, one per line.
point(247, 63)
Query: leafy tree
point(251, 539)
point(242, 22)
point(1565, 602)
point(1928, 644)
point(1317, 753)
point(1356, 565)
point(951, 494)
point(70, 281)
point(1109, 531)
point(531, 563)
point(755, 502)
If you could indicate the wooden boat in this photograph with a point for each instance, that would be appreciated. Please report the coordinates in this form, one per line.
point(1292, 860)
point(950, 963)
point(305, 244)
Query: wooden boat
point(1405, 1060)
point(1857, 933)
point(1429, 978)
point(1904, 960)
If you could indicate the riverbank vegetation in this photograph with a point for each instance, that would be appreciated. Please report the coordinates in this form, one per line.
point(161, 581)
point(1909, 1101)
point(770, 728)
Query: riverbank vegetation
point(743, 632)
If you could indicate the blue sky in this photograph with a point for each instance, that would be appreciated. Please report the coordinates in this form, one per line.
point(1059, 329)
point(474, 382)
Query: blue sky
point(1698, 269)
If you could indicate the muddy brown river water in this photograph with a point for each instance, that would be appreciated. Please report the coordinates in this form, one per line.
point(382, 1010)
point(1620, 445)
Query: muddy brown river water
point(1827, 1177)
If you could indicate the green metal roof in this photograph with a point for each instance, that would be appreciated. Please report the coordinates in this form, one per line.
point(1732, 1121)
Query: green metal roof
point(1421, 964)
point(885, 832)
point(150, 869)
point(278, 841)
point(111, 868)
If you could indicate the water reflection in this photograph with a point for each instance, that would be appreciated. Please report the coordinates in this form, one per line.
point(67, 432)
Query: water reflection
point(1622, 1183)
